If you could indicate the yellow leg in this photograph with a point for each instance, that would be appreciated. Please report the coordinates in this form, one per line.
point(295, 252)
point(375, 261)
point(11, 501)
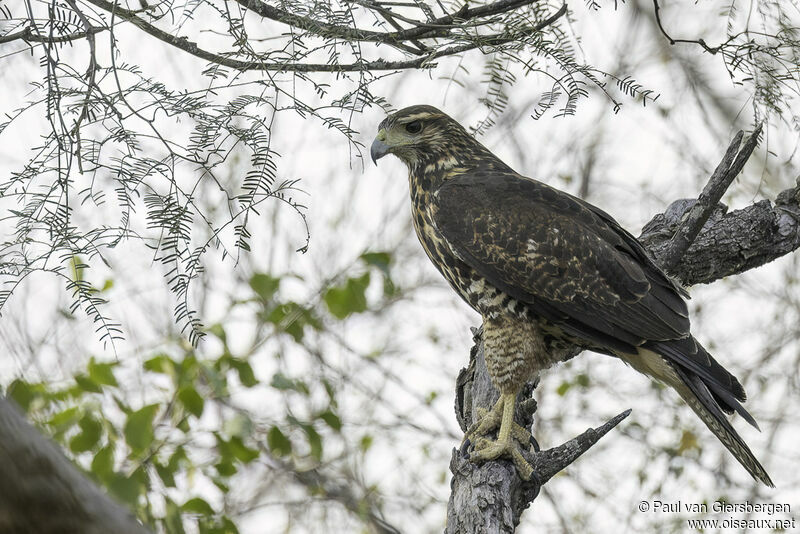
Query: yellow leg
point(511, 437)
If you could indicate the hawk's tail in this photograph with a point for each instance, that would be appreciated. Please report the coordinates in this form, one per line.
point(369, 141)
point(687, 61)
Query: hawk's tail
point(710, 390)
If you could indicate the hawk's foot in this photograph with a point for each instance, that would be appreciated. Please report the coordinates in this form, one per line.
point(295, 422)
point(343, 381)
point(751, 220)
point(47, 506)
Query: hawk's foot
point(511, 440)
point(486, 449)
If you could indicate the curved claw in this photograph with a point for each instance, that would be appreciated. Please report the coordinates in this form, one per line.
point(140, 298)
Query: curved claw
point(511, 440)
point(491, 450)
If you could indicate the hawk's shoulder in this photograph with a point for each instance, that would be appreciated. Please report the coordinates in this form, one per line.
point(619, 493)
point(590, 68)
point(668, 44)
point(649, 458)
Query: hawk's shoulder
point(559, 254)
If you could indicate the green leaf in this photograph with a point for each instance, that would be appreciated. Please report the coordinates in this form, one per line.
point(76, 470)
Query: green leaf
point(226, 468)
point(173, 521)
point(103, 462)
point(160, 363)
point(291, 318)
point(128, 489)
point(264, 285)
point(381, 260)
point(219, 331)
point(191, 400)
point(242, 452)
point(281, 382)
point(563, 388)
point(278, 443)
point(365, 443)
point(102, 373)
point(332, 420)
point(91, 431)
point(66, 418)
point(87, 384)
point(582, 380)
point(314, 441)
point(108, 284)
point(24, 393)
point(197, 506)
point(349, 299)
point(139, 428)
point(166, 474)
point(246, 375)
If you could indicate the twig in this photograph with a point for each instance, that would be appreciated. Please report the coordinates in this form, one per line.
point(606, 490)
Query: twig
point(730, 166)
point(28, 35)
point(378, 65)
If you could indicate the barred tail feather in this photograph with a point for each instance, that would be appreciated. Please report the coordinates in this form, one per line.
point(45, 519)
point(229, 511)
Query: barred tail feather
point(697, 395)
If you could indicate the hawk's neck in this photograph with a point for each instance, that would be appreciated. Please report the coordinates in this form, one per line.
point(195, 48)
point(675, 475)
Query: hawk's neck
point(427, 174)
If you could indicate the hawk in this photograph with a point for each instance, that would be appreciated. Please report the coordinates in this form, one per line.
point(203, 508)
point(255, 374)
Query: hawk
point(546, 269)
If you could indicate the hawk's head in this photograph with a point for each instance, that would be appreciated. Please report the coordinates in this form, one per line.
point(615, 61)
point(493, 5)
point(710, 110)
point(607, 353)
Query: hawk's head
point(420, 134)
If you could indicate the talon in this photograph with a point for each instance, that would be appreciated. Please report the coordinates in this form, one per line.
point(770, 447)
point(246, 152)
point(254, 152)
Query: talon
point(464, 449)
point(535, 444)
point(511, 440)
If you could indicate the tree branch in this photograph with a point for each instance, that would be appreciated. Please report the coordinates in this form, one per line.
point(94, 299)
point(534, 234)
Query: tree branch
point(29, 36)
point(42, 492)
point(728, 169)
point(394, 38)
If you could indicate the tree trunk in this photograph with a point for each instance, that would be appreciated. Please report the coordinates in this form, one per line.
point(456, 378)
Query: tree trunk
point(41, 492)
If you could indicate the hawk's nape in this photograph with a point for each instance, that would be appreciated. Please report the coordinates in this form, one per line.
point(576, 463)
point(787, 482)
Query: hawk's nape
point(546, 269)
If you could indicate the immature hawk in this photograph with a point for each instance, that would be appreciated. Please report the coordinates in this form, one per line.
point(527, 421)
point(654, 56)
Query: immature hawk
point(544, 268)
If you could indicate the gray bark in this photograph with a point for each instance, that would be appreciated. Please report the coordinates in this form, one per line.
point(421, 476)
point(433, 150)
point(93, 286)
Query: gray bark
point(41, 492)
point(698, 242)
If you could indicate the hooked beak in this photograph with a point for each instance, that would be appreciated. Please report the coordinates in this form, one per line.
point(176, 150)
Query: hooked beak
point(379, 148)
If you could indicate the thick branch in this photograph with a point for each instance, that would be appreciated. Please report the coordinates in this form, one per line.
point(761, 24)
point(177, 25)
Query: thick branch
point(42, 492)
point(729, 243)
point(490, 497)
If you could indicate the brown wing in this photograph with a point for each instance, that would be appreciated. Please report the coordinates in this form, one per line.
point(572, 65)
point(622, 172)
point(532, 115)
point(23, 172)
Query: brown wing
point(571, 263)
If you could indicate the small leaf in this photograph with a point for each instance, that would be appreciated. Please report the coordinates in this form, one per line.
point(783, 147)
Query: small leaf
point(563, 388)
point(264, 285)
point(103, 462)
point(91, 431)
point(87, 384)
point(127, 489)
point(160, 363)
point(281, 382)
point(246, 375)
point(278, 443)
point(332, 420)
point(349, 299)
point(173, 522)
point(139, 428)
point(242, 452)
point(101, 373)
point(197, 506)
point(314, 441)
point(191, 400)
point(23, 393)
point(166, 474)
point(381, 260)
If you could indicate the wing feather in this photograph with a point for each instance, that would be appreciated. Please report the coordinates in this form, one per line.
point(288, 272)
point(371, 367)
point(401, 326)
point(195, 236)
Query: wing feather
point(568, 262)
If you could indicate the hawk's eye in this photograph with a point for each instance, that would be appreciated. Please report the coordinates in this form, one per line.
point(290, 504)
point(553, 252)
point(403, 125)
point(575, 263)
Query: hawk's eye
point(414, 127)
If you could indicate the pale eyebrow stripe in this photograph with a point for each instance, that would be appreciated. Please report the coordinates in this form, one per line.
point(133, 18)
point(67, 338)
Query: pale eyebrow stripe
point(418, 116)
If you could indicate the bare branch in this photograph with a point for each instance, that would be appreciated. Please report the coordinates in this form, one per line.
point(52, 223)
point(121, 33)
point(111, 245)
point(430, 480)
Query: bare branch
point(28, 35)
point(727, 170)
